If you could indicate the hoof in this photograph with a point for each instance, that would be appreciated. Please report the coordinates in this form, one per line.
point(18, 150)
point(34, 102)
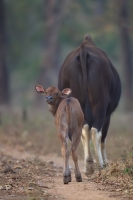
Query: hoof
point(89, 170)
point(99, 167)
point(89, 167)
point(69, 178)
point(66, 179)
point(105, 165)
point(79, 178)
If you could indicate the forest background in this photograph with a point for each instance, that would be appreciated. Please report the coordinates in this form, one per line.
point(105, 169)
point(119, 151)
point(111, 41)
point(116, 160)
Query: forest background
point(36, 36)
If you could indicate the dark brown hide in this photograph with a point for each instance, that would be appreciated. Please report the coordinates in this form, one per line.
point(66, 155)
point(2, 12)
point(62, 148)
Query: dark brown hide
point(94, 82)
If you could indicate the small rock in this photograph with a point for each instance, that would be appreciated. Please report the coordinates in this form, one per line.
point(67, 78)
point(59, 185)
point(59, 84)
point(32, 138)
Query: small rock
point(31, 184)
point(118, 190)
point(126, 191)
point(14, 176)
point(21, 190)
point(8, 169)
point(1, 187)
point(130, 186)
point(42, 184)
point(17, 166)
point(30, 188)
point(8, 187)
point(131, 191)
point(112, 190)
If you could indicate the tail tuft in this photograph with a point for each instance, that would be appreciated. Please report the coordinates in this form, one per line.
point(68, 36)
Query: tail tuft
point(68, 113)
point(70, 134)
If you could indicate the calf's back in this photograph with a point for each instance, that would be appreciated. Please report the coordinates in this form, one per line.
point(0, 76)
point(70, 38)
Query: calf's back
point(69, 117)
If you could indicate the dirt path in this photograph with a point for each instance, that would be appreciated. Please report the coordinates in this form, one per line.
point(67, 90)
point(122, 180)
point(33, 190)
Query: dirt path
point(52, 181)
point(80, 191)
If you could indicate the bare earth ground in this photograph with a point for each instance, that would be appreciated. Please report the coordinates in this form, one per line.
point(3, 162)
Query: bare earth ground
point(29, 170)
point(29, 177)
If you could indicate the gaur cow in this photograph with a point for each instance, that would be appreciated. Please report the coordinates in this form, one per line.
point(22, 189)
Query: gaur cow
point(69, 120)
point(95, 82)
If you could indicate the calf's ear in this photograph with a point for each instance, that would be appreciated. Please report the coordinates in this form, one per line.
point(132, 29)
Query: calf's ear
point(40, 89)
point(66, 92)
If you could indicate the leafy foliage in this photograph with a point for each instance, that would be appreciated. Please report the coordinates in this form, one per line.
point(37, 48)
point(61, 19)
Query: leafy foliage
point(26, 27)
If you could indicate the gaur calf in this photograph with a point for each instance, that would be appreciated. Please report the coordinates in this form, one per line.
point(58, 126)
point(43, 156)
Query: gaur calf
point(69, 119)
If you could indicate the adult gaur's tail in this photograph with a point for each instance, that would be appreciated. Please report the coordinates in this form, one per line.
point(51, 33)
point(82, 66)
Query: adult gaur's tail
point(84, 55)
point(69, 120)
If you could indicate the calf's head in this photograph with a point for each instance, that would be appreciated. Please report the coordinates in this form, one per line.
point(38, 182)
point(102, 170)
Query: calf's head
point(53, 94)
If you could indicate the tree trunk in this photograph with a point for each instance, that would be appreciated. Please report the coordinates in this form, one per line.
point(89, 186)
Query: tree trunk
point(100, 7)
point(53, 10)
point(126, 53)
point(4, 76)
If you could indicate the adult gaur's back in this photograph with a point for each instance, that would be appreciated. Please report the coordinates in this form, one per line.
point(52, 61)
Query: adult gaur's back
point(96, 84)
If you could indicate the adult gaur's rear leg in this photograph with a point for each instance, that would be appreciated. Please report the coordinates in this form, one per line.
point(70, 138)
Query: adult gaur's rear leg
point(96, 139)
point(103, 140)
point(96, 130)
point(88, 159)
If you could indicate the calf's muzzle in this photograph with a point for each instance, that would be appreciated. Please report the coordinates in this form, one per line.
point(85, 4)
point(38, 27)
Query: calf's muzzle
point(49, 99)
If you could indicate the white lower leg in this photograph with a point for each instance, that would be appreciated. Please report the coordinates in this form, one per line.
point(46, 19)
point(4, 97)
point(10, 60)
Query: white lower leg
point(86, 139)
point(103, 150)
point(88, 159)
point(96, 139)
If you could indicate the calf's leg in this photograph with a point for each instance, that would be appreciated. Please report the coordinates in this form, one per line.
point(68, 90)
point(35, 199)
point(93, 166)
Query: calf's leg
point(66, 170)
point(75, 143)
